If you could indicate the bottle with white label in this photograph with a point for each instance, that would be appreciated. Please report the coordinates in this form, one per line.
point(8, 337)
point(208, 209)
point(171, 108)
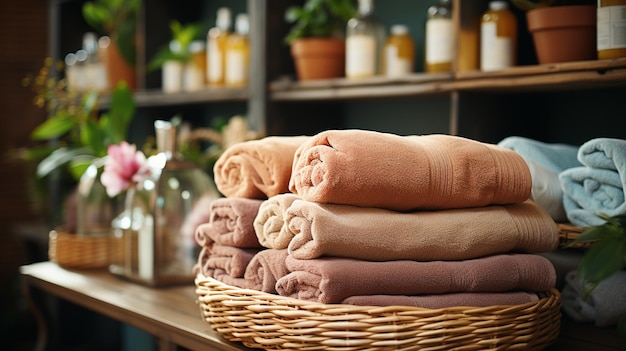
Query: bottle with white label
point(399, 52)
point(611, 28)
point(216, 47)
point(365, 37)
point(498, 37)
point(238, 53)
point(439, 41)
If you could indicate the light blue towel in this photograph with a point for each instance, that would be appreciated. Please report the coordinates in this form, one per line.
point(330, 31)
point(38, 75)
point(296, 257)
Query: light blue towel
point(555, 157)
point(598, 186)
point(545, 162)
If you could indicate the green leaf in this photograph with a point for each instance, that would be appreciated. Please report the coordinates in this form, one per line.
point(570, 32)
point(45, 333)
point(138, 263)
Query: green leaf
point(53, 127)
point(121, 112)
point(79, 165)
point(59, 158)
point(604, 258)
point(93, 137)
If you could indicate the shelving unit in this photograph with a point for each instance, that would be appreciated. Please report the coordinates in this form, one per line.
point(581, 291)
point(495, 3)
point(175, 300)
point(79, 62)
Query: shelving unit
point(553, 103)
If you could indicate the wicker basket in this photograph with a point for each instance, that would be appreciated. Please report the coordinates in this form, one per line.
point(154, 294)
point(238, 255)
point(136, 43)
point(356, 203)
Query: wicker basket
point(272, 322)
point(72, 251)
point(568, 233)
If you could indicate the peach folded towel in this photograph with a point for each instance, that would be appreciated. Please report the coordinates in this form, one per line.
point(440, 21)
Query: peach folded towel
point(437, 301)
point(332, 279)
point(257, 169)
point(231, 223)
point(265, 268)
point(228, 260)
point(373, 169)
point(376, 234)
point(269, 223)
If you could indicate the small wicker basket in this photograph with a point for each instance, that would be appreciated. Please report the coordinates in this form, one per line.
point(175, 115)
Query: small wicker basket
point(82, 252)
point(568, 233)
point(272, 322)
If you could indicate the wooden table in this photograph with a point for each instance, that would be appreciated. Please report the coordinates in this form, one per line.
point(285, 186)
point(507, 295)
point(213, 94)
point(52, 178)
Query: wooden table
point(172, 315)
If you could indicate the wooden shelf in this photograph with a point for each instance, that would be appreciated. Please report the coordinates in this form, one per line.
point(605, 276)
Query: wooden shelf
point(562, 76)
point(157, 98)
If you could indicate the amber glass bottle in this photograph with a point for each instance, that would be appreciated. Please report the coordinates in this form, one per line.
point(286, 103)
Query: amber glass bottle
point(498, 37)
point(611, 28)
point(399, 52)
point(439, 42)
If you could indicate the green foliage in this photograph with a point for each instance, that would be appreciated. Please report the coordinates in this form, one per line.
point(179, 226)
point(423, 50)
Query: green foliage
point(608, 253)
point(118, 19)
point(319, 18)
point(182, 37)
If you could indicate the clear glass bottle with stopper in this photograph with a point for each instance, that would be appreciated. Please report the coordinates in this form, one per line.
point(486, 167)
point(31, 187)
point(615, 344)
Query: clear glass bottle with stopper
point(365, 38)
point(156, 249)
point(439, 41)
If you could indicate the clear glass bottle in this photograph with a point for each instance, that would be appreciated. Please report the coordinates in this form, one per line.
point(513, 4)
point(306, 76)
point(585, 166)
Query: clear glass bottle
point(154, 249)
point(498, 37)
point(94, 70)
point(238, 53)
point(365, 37)
point(216, 47)
point(611, 28)
point(399, 52)
point(439, 39)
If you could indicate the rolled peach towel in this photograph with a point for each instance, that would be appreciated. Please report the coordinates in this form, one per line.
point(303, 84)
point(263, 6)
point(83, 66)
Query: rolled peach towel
point(257, 169)
point(436, 301)
point(332, 279)
point(217, 269)
point(269, 224)
point(231, 223)
point(265, 268)
point(376, 234)
point(374, 169)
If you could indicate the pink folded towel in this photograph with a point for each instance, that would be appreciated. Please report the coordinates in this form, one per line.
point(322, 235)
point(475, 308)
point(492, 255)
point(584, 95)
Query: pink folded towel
point(445, 300)
point(257, 169)
point(265, 268)
point(224, 263)
point(231, 223)
point(331, 280)
point(380, 235)
point(269, 223)
point(373, 169)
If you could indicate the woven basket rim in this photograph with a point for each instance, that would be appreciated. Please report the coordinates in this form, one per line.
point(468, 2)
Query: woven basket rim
point(273, 322)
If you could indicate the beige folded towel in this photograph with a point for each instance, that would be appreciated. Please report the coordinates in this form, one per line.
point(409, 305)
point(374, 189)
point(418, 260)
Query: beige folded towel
point(331, 279)
point(373, 169)
point(231, 223)
point(269, 224)
point(379, 235)
point(437, 301)
point(257, 169)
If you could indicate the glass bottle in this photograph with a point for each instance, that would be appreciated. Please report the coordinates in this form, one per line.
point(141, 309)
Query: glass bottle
point(611, 28)
point(498, 37)
point(238, 53)
point(194, 75)
point(439, 41)
point(216, 47)
point(365, 37)
point(399, 52)
point(94, 70)
point(156, 251)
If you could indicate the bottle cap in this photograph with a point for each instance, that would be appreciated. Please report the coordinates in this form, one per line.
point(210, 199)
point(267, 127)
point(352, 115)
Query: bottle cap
point(242, 24)
point(223, 18)
point(498, 5)
point(399, 29)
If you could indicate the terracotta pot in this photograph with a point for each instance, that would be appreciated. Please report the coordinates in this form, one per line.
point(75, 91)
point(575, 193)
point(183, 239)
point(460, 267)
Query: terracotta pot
point(118, 69)
point(319, 58)
point(563, 33)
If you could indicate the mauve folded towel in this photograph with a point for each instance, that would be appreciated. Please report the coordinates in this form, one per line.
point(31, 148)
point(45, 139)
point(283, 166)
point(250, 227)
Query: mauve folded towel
point(331, 279)
point(265, 268)
point(233, 261)
point(373, 169)
point(597, 187)
point(269, 223)
point(257, 169)
point(482, 299)
point(231, 223)
point(376, 234)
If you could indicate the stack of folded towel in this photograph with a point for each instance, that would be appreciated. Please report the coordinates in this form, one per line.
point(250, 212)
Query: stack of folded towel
point(378, 219)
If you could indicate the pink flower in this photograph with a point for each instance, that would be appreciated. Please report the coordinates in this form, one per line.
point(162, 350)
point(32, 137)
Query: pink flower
point(124, 167)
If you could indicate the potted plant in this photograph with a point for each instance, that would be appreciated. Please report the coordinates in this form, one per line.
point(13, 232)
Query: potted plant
point(562, 31)
point(116, 18)
point(317, 37)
